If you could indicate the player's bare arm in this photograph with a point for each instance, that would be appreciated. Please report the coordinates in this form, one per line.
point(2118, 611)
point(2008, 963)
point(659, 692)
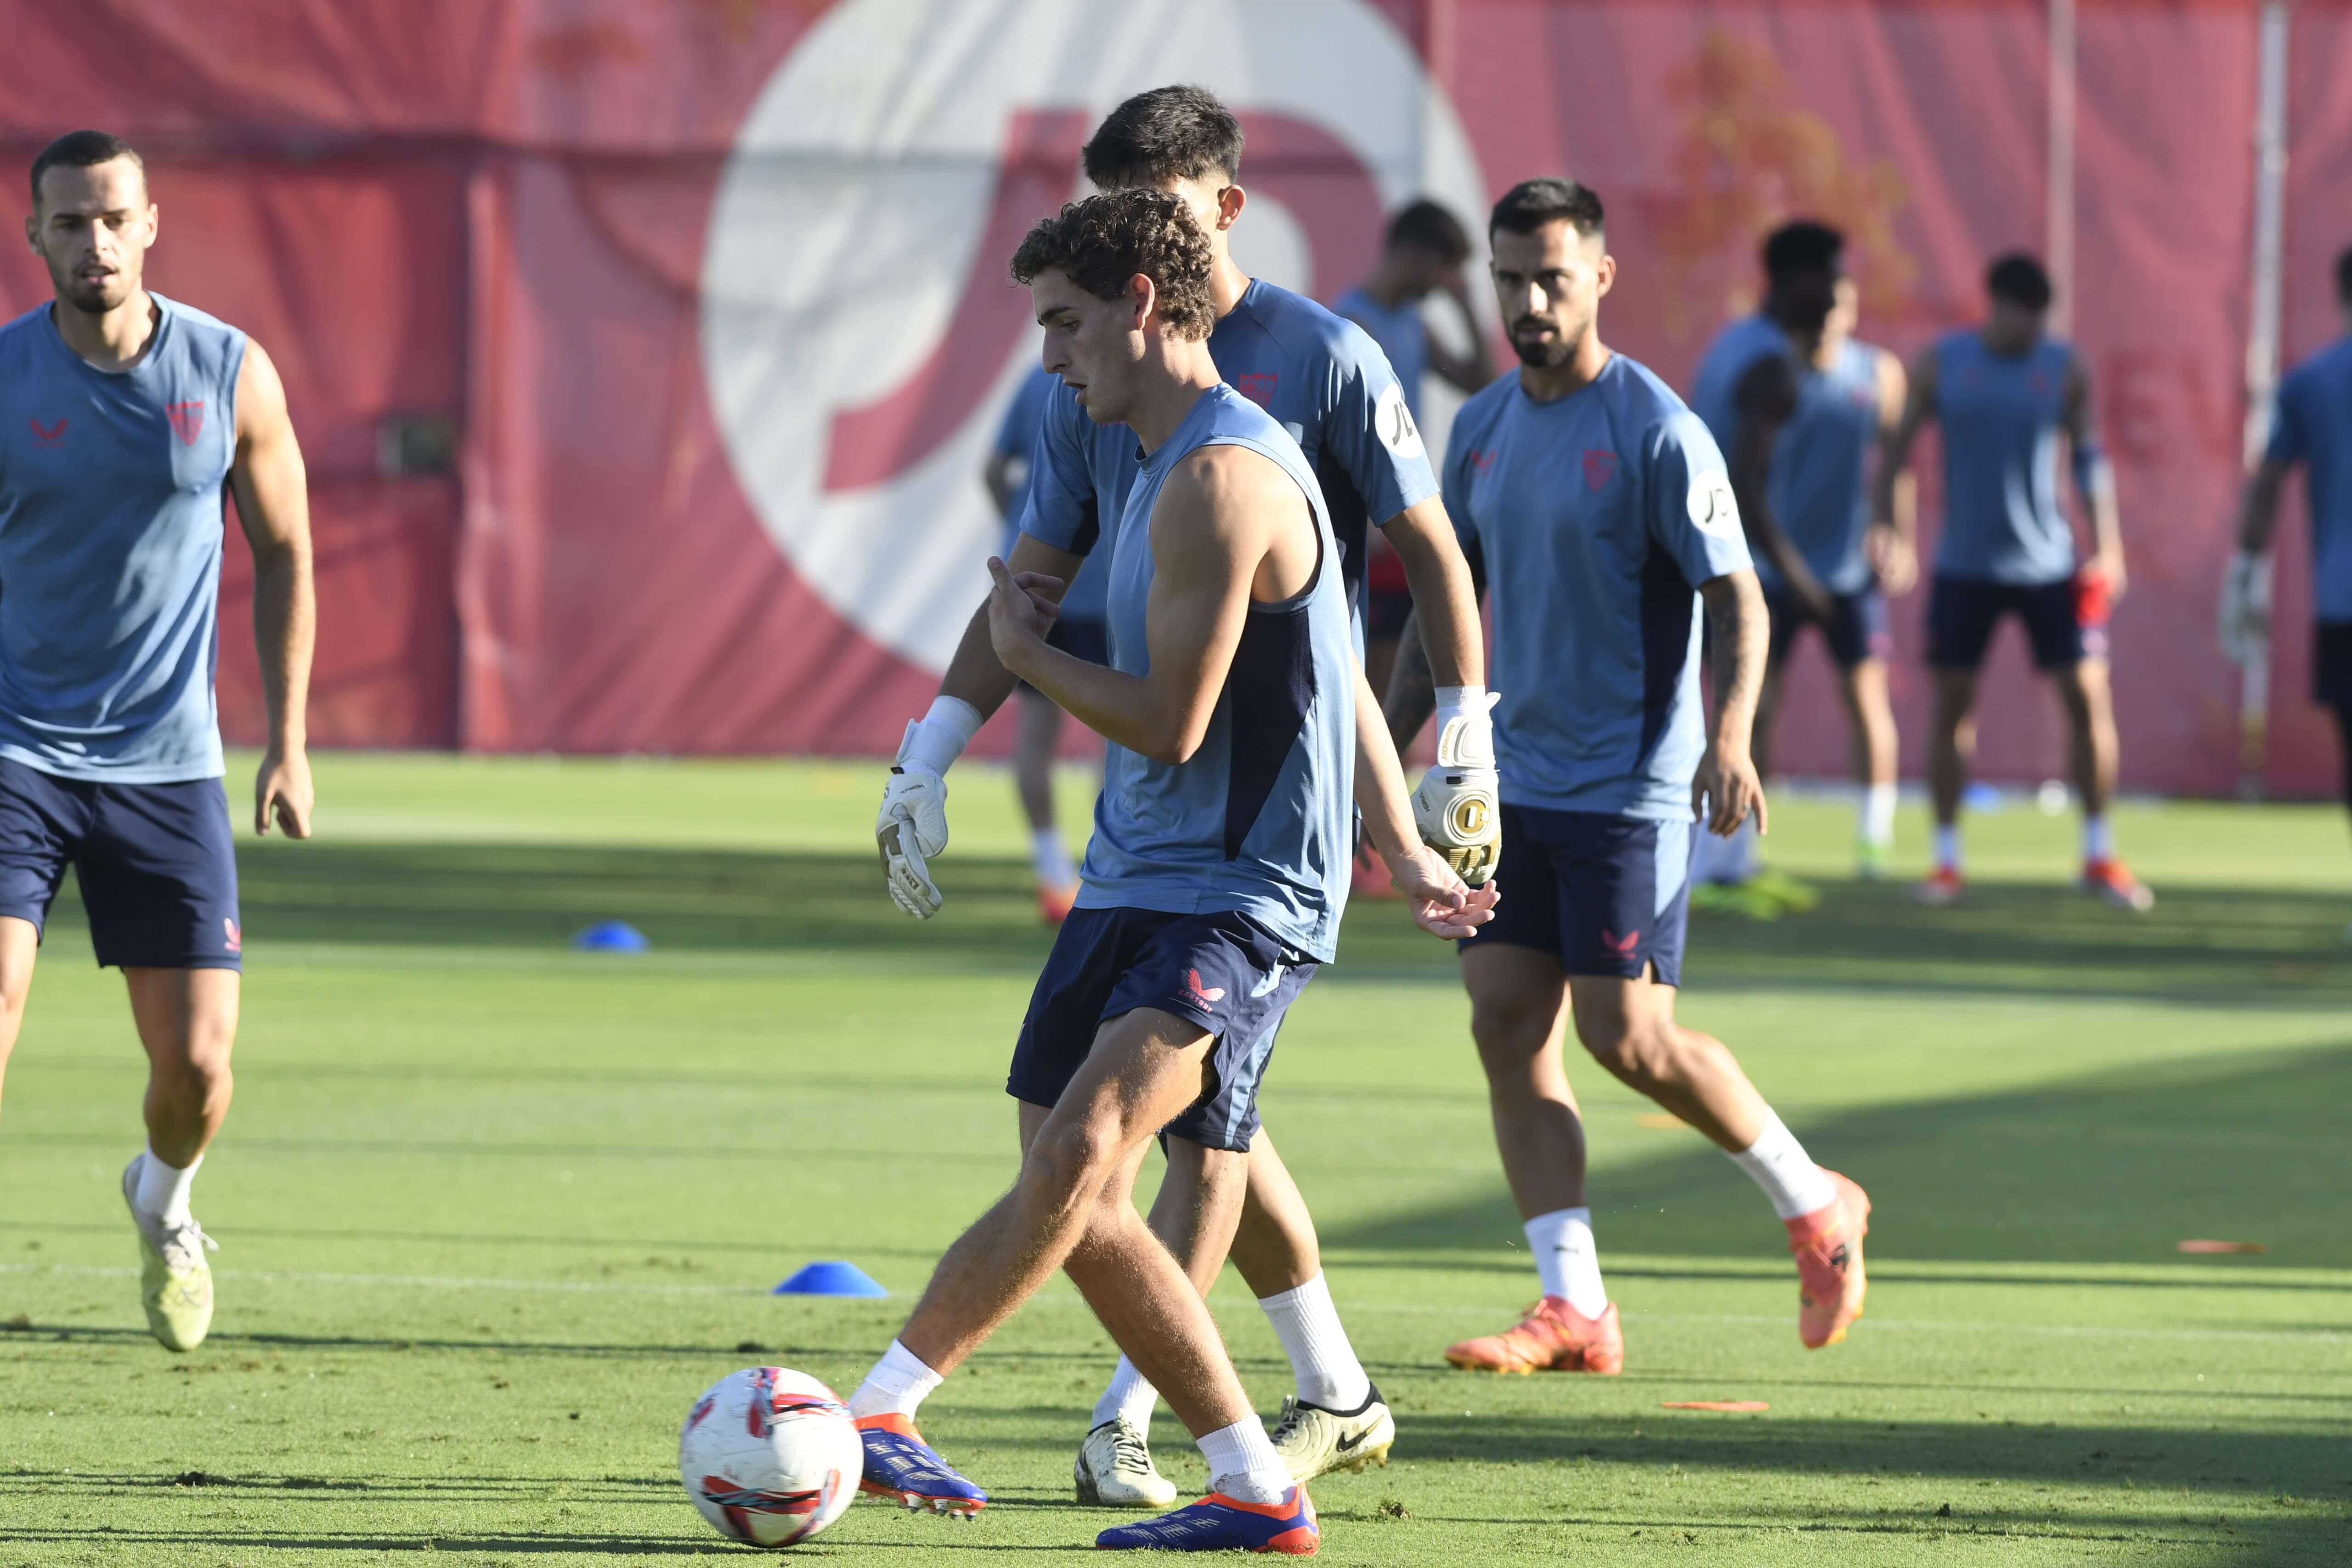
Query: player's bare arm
point(975, 674)
point(2094, 481)
point(1727, 777)
point(1441, 904)
point(1766, 398)
point(273, 506)
point(2246, 586)
point(1463, 371)
point(1895, 448)
point(1893, 541)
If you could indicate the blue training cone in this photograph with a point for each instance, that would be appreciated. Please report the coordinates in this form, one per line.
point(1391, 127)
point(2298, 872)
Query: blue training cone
point(834, 1278)
point(611, 936)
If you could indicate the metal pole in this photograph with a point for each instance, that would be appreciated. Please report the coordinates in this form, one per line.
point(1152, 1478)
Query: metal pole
point(2262, 353)
point(2060, 225)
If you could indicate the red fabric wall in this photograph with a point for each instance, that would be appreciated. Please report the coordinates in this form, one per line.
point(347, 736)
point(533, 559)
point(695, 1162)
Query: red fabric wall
point(499, 213)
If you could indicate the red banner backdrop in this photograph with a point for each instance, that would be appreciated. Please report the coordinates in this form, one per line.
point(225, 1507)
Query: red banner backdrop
point(708, 294)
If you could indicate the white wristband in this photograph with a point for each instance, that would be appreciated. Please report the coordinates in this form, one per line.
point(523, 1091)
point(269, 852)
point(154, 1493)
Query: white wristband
point(1466, 729)
point(939, 738)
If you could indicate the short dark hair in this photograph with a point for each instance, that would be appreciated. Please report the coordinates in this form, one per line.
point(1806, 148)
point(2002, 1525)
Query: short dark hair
point(1425, 225)
point(1806, 244)
point(1168, 133)
point(2020, 279)
point(1531, 204)
point(1101, 242)
point(83, 150)
point(2344, 275)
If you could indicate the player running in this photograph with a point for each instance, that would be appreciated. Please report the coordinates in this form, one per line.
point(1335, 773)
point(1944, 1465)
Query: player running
point(1215, 879)
point(1597, 509)
point(2311, 425)
point(1321, 378)
point(1797, 406)
point(121, 414)
point(2003, 394)
point(1078, 630)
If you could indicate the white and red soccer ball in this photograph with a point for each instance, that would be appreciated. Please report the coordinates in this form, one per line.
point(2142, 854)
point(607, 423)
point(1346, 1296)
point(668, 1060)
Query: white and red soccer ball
point(770, 1456)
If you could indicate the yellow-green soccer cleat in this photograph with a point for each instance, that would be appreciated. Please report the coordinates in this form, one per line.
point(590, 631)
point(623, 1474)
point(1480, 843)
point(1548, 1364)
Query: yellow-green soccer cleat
point(175, 1282)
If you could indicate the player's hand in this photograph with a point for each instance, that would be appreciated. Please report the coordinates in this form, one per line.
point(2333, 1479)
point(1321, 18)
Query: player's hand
point(1021, 608)
point(1893, 558)
point(1725, 789)
point(282, 794)
point(911, 827)
point(1441, 904)
point(1458, 808)
point(2246, 608)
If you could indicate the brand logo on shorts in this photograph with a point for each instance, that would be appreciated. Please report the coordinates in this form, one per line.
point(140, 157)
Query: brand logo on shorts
point(1623, 946)
point(187, 421)
point(48, 435)
point(1600, 468)
point(1257, 386)
point(232, 939)
point(1207, 996)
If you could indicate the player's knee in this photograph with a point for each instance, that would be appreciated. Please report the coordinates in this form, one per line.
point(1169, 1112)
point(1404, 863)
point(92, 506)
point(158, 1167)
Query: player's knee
point(1508, 1030)
point(1074, 1157)
point(1633, 1049)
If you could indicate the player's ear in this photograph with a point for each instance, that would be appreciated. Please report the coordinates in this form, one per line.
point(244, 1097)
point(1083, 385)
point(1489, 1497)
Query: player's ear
point(32, 232)
point(1230, 202)
point(154, 223)
point(1604, 272)
point(1143, 298)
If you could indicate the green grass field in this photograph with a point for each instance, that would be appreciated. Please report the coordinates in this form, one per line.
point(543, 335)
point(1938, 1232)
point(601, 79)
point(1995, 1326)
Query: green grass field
point(492, 1213)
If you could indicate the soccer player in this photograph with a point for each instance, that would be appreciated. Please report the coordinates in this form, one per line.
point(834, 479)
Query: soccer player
point(1214, 883)
point(1797, 405)
point(1597, 510)
point(2310, 425)
point(121, 416)
point(1322, 379)
point(1078, 630)
point(2004, 393)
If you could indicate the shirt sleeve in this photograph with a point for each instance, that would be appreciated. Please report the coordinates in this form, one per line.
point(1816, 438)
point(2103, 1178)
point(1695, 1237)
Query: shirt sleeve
point(1371, 433)
point(2287, 443)
point(1061, 511)
point(1688, 502)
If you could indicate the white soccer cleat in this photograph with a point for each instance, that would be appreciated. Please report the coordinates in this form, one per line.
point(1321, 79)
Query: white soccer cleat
point(1314, 1441)
point(1115, 1469)
point(175, 1281)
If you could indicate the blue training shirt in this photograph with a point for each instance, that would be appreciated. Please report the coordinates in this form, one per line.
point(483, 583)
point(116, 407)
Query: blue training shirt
point(2002, 417)
point(2313, 426)
point(1261, 820)
point(111, 525)
point(1016, 436)
point(1597, 515)
point(1401, 334)
point(1325, 383)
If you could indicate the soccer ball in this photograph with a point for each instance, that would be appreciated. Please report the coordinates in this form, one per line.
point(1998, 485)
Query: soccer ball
point(770, 1456)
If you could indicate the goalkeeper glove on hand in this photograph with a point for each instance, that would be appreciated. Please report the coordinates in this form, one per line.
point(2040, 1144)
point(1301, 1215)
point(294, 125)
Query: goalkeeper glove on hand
point(1458, 808)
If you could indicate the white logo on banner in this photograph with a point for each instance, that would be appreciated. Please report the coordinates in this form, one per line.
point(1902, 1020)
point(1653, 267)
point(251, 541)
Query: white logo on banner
point(860, 338)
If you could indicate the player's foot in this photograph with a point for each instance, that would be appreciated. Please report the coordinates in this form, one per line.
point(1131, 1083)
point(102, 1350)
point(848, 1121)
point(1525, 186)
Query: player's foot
point(1552, 1337)
point(175, 1281)
point(1940, 888)
point(2111, 881)
point(901, 1466)
point(1314, 1441)
point(1055, 904)
point(1829, 1280)
point(1220, 1523)
point(1370, 878)
point(1115, 1468)
point(1793, 894)
point(1743, 900)
point(1874, 862)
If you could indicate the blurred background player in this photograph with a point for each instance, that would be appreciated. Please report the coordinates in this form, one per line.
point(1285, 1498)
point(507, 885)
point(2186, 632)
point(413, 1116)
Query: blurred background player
point(121, 416)
point(1798, 407)
point(2311, 426)
point(2003, 394)
point(1078, 630)
point(1597, 509)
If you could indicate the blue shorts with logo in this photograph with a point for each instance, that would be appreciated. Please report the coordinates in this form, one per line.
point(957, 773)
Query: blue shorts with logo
point(1962, 613)
point(1222, 971)
point(1856, 630)
point(1604, 894)
point(155, 861)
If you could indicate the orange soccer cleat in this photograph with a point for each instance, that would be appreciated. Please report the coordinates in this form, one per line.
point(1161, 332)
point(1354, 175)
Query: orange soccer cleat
point(1552, 1337)
point(2110, 880)
point(1055, 904)
point(1829, 1280)
point(1941, 886)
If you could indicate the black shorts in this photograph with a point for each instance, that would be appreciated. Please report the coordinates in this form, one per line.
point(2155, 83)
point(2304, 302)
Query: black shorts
point(2331, 664)
point(1963, 611)
point(155, 861)
point(1223, 972)
point(1606, 895)
point(1081, 638)
point(1857, 628)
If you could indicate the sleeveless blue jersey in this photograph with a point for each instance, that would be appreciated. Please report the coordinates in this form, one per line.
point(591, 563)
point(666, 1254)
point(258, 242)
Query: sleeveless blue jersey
point(1729, 358)
point(1259, 821)
point(2001, 418)
point(1819, 462)
point(110, 528)
point(2313, 424)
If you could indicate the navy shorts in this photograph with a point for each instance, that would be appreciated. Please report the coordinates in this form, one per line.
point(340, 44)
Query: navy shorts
point(1222, 971)
point(1080, 639)
point(1963, 611)
point(155, 861)
point(1857, 628)
point(2331, 664)
point(1606, 895)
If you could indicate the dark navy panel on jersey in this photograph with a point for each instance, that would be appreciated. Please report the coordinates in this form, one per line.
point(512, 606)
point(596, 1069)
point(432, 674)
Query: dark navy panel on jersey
point(1223, 972)
point(1606, 895)
point(1962, 613)
point(1857, 625)
point(157, 868)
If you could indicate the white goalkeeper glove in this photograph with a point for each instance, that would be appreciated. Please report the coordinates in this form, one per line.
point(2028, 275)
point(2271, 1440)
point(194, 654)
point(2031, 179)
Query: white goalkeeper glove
point(1457, 808)
point(2246, 606)
point(912, 826)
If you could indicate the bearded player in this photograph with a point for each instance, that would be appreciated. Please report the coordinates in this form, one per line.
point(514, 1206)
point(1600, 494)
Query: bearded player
point(122, 414)
point(1597, 509)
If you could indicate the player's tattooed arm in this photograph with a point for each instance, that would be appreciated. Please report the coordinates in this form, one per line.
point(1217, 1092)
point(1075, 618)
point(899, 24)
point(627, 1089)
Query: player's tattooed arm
point(1445, 596)
point(1726, 781)
point(273, 508)
point(2094, 479)
point(1892, 542)
point(1765, 398)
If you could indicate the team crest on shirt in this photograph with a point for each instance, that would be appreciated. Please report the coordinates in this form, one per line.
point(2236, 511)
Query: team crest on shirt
point(1600, 468)
point(187, 420)
point(48, 435)
point(1257, 386)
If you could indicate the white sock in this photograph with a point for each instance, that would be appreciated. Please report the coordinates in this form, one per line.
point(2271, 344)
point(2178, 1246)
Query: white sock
point(895, 1386)
point(1877, 815)
point(1243, 1464)
point(1130, 1395)
point(2098, 840)
point(162, 1191)
point(1321, 1359)
point(1947, 846)
point(1780, 1165)
point(1050, 860)
point(1567, 1260)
